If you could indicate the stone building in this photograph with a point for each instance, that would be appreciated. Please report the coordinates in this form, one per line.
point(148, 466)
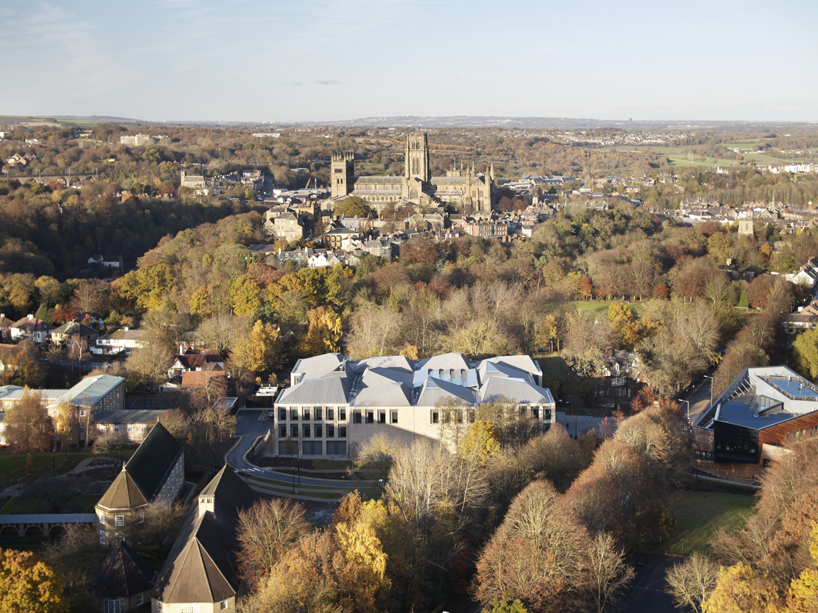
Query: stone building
point(464, 189)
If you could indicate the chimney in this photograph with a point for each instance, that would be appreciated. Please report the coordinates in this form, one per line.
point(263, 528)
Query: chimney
point(207, 503)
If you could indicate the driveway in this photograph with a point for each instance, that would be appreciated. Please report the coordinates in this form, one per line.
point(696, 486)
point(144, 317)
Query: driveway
point(647, 590)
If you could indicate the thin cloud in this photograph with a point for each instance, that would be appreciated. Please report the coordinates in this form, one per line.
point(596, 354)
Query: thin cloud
point(328, 82)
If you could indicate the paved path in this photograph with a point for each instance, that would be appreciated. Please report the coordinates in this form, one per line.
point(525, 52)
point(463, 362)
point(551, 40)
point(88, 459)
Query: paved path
point(249, 427)
point(699, 398)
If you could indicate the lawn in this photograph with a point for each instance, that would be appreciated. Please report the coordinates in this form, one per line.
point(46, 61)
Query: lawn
point(331, 464)
point(13, 465)
point(699, 515)
point(78, 504)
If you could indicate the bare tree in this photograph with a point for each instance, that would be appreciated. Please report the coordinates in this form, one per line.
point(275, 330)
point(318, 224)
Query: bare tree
point(691, 582)
point(377, 454)
point(150, 362)
point(608, 574)
point(221, 332)
point(88, 298)
point(77, 350)
point(267, 530)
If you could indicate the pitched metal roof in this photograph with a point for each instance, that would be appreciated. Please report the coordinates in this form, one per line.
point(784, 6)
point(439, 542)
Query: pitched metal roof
point(153, 460)
point(386, 395)
point(437, 389)
point(48, 518)
point(514, 389)
point(123, 493)
point(127, 416)
point(334, 388)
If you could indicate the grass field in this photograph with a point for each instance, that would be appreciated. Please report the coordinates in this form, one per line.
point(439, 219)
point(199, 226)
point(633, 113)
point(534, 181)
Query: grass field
point(699, 515)
point(13, 465)
point(79, 504)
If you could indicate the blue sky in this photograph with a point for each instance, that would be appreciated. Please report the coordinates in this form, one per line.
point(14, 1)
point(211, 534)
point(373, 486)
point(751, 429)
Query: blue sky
point(321, 60)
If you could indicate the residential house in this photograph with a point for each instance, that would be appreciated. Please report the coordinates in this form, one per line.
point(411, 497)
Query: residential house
point(195, 360)
point(121, 342)
point(201, 572)
point(32, 328)
point(335, 403)
point(123, 581)
point(60, 336)
point(154, 473)
point(745, 428)
point(107, 261)
point(284, 225)
point(5, 327)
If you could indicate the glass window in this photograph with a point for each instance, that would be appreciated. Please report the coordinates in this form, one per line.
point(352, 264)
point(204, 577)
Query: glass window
point(102, 537)
point(317, 413)
point(370, 417)
point(294, 430)
point(119, 520)
point(330, 430)
point(381, 417)
point(293, 414)
point(356, 417)
point(305, 413)
point(536, 412)
point(342, 431)
point(306, 429)
point(319, 431)
point(342, 414)
point(330, 414)
point(282, 414)
point(435, 417)
point(393, 417)
point(547, 416)
point(282, 430)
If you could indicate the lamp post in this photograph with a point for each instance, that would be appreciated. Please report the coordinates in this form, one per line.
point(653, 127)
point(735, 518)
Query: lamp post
point(687, 402)
point(711, 389)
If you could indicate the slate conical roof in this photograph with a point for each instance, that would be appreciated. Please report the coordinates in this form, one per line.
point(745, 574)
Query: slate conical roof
point(123, 493)
point(122, 574)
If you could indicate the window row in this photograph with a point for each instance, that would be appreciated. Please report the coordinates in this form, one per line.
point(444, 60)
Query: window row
point(312, 431)
point(358, 416)
point(312, 413)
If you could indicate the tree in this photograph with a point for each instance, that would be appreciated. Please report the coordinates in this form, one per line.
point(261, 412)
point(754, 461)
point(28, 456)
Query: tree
point(149, 363)
point(803, 593)
point(378, 453)
point(29, 583)
point(691, 582)
point(221, 332)
point(608, 574)
point(505, 605)
point(624, 325)
point(257, 351)
point(265, 532)
point(78, 350)
point(245, 295)
point(88, 298)
point(28, 426)
point(740, 590)
point(480, 443)
point(324, 332)
point(480, 339)
point(805, 351)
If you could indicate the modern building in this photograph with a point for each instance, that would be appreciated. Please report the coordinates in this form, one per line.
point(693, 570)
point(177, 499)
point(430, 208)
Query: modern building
point(154, 473)
point(201, 572)
point(747, 426)
point(335, 404)
point(127, 425)
point(466, 190)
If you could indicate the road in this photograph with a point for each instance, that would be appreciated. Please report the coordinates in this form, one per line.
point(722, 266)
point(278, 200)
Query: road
point(249, 428)
point(699, 398)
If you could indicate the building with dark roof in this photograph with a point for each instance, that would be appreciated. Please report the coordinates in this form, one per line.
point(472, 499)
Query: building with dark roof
point(335, 403)
point(201, 570)
point(62, 335)
point(123, 581)
point(127, 425)
point(154, 473)
point(747, 426)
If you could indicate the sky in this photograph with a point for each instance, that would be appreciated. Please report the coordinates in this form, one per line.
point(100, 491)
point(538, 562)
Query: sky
point(328, 60)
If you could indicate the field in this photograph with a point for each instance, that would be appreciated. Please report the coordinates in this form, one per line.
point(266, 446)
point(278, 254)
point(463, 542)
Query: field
point(13, 466)
point(78, 504)
point(699, 515)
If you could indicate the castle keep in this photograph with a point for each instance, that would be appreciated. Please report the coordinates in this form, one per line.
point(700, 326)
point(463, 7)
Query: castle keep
point(466, 190)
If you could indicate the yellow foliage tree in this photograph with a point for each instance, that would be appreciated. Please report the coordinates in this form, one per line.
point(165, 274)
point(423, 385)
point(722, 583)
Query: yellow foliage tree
point(741, 590)
point(200, 302)
point(29, 583)
point(257, 350)
point(324, 332)
point(245, 295)
point(480, 442)
point(803, 594)
point(625, 325)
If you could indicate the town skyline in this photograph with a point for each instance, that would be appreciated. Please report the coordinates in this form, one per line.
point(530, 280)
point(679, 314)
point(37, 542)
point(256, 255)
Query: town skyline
point(324, 61)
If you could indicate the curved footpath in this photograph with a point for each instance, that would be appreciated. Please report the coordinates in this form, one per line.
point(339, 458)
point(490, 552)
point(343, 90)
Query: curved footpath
point(249, 427)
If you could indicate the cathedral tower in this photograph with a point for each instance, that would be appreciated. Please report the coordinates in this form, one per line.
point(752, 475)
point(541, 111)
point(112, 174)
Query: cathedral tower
point(418, 165)
point(342, 174)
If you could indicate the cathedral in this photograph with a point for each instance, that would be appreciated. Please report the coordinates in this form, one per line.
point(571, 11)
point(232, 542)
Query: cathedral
point(466, 190)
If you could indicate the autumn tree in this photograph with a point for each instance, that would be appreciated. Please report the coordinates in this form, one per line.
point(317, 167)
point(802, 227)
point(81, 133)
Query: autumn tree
point(245, 295)
point(324, 332)
point(257, 350)
point(149, 363)
point(28, 426)
point(740, 590)
point(805, 352)
point(480, 443)
point(29, 583)
point(265, 532)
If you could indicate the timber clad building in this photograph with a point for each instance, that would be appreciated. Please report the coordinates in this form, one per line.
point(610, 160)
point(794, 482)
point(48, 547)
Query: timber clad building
point(335, 403)
point(748, 425)
point(466, 190)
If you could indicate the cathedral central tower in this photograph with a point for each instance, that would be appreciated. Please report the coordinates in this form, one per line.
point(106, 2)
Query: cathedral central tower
point(418, 164)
